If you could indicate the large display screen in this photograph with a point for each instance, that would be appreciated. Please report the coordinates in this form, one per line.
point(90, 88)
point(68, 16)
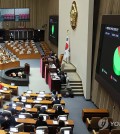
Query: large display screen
point(7, 14)
point(22, 14)
point(108, 62)
point(53, 29)
point(17, 14)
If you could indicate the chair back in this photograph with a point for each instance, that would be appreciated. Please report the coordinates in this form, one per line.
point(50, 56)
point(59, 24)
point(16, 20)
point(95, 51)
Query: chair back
point(42, 130)
point(27, 115)
point(7, 113)
point(45, 116)
point(55, 106)
point(66, 130)
point(94, 123)
point(37, 106)
point(104, 131)
point(20, 127)
point(20, 104)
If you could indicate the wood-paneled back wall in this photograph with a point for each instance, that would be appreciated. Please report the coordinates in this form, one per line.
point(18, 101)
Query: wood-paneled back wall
point(38, 12)
point(99, 95)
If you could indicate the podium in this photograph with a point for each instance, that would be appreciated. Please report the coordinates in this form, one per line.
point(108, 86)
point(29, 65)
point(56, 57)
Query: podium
point(54, 82)
point(42, 66)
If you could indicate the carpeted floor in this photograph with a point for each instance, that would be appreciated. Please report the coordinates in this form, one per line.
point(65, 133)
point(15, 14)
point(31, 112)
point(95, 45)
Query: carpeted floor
point(74, 105)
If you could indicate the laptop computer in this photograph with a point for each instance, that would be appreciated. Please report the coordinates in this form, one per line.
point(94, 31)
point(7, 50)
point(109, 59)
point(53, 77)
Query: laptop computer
point(13, 129)
point(28, 106)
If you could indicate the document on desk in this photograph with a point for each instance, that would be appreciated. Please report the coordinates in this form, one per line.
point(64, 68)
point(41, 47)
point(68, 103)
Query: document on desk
point(55, 122)
point(36, 101)
point(66, 122)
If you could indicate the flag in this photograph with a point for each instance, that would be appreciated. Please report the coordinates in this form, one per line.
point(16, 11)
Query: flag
point(67, 50)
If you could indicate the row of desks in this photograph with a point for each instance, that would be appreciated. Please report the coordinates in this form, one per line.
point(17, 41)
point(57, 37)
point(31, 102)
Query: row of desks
point(43, 102)
point(34, 110)
point(49, 122)
point(4, 132)
point(37, 94)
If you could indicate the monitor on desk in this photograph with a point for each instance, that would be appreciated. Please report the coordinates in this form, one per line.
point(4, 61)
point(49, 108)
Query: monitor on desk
point(13, 105)
point(5, 88)
point(66, 132)
point(40, 132)
point(44, 118)
point(29, 91)
point(63, 118)
point(13, 129)
point(38, 98)
point(42, 92)
point(23, 97)
point(22, 116)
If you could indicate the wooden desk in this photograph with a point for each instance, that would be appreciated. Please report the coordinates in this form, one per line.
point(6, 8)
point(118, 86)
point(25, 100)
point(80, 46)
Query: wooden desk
point(13, 88)
point(49, 122)
point(11, 64)
point(52, 111)
point(36, 95)
point(1, 101)
point(54, 83)
point(88, 113)
point(43, 102)
point(26, 120)
point(4, 132)
point(31, 110)
point(42, 66)
point(6, 93)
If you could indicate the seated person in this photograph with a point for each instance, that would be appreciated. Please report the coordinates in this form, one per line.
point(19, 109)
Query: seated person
point(59, 111)
point(19, 98)
point(56, 101)
point(51, 54)
point(61, 124)
point(13, 74)
point(11, 109)
point(40, 122)
point(63, 78)
point(28, 52)
point(6, 123)
point(19, 74)
point(41, 110)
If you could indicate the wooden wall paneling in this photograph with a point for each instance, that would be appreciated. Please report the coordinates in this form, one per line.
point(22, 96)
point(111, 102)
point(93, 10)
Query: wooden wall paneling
point(116, 111)
point(110, 107)
point(106, 7)
point(98, 97)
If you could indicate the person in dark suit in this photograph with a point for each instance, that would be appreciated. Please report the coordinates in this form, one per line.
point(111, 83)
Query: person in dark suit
point(59, 111)
point(61, 124)
point(56, 101)
point(40, 122)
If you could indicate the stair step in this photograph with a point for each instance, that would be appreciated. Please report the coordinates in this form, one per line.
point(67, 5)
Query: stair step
point(75, 84)
point(78, 94)
point(69, 70)
point(77, 90)
point(75, 81)
point(77, 87)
